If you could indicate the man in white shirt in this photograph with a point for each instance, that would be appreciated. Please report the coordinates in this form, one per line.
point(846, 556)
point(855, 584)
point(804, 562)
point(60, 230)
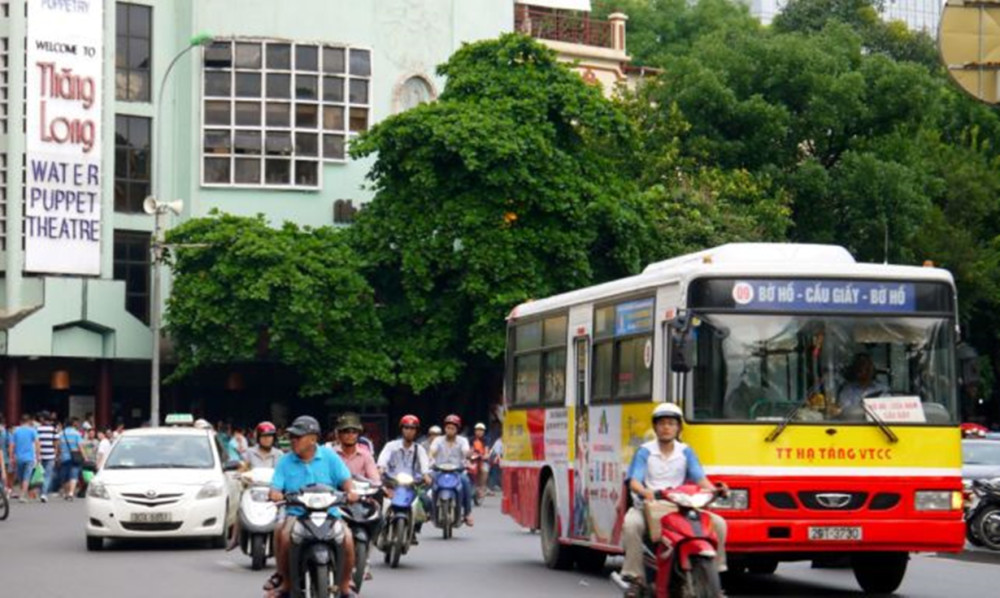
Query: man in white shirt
point(452, 449)
point(405, 455)
point(662, 464)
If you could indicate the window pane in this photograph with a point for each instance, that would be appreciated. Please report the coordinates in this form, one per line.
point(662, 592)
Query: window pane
point(306, 115)
point(216, 170)
point(137, 192)
point(278, 172)
point(359, 91)
point(139, 168)
point(306, 144)
point(359, 119)
point(555, 376)
point(635, 377)
point(138, 131)
point(333, 89)
point(333, 60)
point(121, 51)
point(333, 147)
point(526, 378)
point(218, 83)
point(279, 114)
point(219, 55)
point(279, 86)
point(121, 84)
point(247, 171)
point(361, 63)
point(121, 17)
point(217, 142)
point(306, 58)
point(279, 56)
point(248, 56)
point(139, 20)
point(248, 113)
point(602, 370)
point(528, 336)
point(604, 322)
point(306, 87)
point(138, 86)
point(247, 142)
point(306, 173)
point(248, 85)
point(138, 53)
point(121, 163)
point(333, 118)
point(278, 144)
point(217, 113)
point(554, 332)
point(135, 278)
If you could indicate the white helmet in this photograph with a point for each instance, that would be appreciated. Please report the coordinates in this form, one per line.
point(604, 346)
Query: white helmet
point(480, 426)
point(668, 410)
point(434, 430)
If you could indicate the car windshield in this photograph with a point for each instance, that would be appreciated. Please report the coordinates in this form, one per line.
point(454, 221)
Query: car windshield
point(981, 453)
point(161, 452)
point(764, 367)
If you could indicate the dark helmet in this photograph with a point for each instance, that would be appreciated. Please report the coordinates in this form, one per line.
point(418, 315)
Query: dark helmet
point(349, 421)
point(303, 426)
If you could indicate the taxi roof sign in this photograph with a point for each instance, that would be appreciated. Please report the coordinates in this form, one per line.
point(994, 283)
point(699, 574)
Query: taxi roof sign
point(180, 419)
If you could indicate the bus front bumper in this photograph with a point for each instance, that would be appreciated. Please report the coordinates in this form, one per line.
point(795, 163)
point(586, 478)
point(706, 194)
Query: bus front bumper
point(911, 535)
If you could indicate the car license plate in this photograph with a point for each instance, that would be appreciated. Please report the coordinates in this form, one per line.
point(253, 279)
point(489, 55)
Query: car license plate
point(151, 518)
point(850, 534)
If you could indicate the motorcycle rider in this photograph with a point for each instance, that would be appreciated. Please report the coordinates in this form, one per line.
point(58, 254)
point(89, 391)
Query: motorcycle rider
point(481, 450)
point(308, 463)
point(405, 455)
point(452, 449)
point(432, 433)
point(358, 460)
point(662, 464)
point(265, 454)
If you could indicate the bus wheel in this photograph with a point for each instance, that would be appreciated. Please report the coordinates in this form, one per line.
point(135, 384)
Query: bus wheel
point(556, 555)
point(879, 572)
point(589, 560)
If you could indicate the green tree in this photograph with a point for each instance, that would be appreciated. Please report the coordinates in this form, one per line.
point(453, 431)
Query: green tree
point(517, 183)
point(244, 291)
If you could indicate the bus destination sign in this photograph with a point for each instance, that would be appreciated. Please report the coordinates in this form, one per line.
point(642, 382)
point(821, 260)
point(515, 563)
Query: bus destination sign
point(824, 295)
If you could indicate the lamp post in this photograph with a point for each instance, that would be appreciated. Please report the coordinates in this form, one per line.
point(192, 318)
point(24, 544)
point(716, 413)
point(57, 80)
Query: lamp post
point(158, 208)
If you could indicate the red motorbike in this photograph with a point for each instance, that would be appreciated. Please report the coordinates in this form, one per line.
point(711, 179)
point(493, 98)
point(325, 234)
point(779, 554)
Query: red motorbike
point(681, 562)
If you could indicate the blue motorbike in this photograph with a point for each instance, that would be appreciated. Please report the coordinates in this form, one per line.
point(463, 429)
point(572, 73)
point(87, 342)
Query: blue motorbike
point(398, 529)
point(446, 493)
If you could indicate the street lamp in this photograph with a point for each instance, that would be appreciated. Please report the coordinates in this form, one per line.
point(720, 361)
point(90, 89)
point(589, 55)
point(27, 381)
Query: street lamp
point(158, 208)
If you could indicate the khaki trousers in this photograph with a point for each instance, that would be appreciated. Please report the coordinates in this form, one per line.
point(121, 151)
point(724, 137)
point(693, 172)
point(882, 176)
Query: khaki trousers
point(635, 530)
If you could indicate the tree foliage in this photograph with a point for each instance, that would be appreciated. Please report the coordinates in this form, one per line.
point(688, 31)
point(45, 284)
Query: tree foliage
point(244, 291)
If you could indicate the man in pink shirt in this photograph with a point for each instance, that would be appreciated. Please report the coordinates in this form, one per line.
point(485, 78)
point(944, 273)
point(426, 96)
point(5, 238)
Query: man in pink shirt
point(358, 460)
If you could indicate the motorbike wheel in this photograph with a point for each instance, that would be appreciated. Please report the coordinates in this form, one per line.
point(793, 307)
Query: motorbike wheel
point(319, 581)
point(4, 503)
point(971, 534)
point(879, 572)
point(258, 552)
point(399, 536)
point(987, 525)
point(704, 579)
point(360, 564)
point(446, 522)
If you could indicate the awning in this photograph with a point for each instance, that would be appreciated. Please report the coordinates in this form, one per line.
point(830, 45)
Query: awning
point(583, 5)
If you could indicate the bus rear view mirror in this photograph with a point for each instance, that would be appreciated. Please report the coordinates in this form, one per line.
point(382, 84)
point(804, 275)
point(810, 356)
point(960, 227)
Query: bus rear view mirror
point(681, 345)
point(968, 364)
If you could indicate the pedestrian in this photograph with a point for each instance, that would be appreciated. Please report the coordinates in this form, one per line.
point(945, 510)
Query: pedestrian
point(238, 444)
point(48, 443)
point(24, 452)
point(496, 456)
point(5, 459)
point(70, 457)
point(103, 447)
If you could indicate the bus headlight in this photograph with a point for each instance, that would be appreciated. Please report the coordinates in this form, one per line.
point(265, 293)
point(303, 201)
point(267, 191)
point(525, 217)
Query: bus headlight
point(937, 500)
point(737, 500)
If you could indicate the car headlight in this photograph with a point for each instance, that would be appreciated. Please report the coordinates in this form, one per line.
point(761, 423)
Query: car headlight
point(98, 490)
point(737, 500)
point(937, 500)
point(210, 490)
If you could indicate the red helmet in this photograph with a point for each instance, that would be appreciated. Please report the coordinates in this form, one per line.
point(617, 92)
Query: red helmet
point(409, 420)
point(265, 428)
point(453, 419)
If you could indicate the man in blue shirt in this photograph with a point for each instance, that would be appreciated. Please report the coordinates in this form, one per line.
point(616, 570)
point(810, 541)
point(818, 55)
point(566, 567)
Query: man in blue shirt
point(308, 463)
point(25, 448)
point(70, 441)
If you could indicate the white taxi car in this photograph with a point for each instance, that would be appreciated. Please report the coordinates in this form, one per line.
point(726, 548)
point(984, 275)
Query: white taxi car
point(163, 483)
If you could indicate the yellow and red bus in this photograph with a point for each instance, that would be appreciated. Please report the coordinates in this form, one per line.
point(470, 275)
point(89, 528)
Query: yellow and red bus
point(821, 390)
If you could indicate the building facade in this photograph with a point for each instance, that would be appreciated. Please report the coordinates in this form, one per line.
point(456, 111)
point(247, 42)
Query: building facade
point(257, 121)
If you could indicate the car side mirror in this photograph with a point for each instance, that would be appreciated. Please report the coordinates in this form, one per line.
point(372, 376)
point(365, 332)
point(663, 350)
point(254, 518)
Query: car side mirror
point(233, 465)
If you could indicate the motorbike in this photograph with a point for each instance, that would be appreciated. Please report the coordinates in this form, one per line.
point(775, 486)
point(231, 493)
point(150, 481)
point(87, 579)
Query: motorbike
point(365, 520)
point(982, 517)
point(681, 561)
point(445, 498)
point(317, 542)
point(476, 465)
point(398, 530)
point(258, 517)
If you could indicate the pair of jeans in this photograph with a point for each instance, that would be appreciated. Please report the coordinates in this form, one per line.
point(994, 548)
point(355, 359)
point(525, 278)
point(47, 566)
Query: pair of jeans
point(48, 466)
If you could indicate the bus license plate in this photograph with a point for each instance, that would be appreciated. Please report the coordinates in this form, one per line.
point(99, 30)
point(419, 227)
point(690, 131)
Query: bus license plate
point(850, 534)
point(151, 517)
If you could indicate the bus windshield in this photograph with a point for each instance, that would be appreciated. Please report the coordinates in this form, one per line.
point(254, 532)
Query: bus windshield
point(815, 368)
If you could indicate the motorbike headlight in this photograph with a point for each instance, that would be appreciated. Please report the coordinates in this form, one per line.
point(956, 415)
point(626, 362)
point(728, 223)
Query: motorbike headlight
point(318, 502)
point(210, 490)
point(937, 500)
point(404, 479)
point(260, 494)
point(737, 500)
point(98, 490)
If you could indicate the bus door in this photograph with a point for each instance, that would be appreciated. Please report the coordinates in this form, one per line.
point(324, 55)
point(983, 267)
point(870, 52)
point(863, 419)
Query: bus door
point(580, 504)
